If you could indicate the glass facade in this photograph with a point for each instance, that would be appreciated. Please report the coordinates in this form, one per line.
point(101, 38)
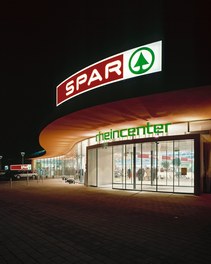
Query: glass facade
point(163, 164)
point(70, 165)
point(155, 166)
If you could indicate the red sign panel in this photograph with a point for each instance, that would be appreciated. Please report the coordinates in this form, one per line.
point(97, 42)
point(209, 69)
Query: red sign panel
point(131, 63)
point(144, 156)
point(166, 157)
point(100, 73)
point(20, 167)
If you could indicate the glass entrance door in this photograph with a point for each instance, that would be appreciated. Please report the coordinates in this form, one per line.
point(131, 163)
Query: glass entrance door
point(183, 166)
point(165, 178)
point(129, 167)
point(149, 165)
point(163, 166)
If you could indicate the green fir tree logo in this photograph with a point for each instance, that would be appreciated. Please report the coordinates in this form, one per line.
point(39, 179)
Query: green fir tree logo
point(141, 65)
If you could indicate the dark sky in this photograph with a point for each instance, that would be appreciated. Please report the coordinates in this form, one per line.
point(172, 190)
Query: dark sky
point(42, 43)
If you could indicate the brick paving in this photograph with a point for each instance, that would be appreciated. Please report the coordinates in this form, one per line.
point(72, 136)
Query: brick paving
point(51, 221)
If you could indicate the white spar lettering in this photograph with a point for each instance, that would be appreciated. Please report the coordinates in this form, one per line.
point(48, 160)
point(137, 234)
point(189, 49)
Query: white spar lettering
point(94, 76)
point(114, 66)
point(69, 88)
point(81, 79)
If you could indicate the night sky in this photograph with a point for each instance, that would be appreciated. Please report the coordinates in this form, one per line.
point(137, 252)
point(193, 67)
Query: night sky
point(43, 43)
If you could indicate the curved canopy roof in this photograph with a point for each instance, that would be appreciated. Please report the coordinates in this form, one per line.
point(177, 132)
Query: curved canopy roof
point(61, 135)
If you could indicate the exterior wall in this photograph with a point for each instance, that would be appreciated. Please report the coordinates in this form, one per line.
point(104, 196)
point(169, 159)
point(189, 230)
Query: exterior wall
point(205, 158)
point(104, 166)
point(92, 168)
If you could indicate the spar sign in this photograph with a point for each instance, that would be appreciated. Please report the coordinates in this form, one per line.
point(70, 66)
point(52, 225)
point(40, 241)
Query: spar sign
point(132, 63)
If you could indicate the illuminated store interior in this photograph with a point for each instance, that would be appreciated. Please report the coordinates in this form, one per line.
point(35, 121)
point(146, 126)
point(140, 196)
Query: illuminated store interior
point(163, 163)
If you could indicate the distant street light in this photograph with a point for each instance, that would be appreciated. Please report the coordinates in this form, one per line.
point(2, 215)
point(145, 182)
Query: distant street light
point(22, 154)
point(0, 161)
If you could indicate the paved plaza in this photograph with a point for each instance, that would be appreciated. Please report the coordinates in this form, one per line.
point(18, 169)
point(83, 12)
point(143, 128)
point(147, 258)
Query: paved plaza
point(51, 221)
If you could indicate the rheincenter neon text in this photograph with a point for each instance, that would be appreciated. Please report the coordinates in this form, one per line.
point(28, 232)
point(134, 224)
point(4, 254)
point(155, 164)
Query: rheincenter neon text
point(133, 131)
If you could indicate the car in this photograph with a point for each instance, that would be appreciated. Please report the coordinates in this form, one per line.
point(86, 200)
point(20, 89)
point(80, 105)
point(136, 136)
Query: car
point(25, 175)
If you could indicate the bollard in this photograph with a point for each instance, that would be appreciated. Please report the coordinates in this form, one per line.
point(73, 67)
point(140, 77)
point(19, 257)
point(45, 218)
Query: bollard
point(10, 183)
